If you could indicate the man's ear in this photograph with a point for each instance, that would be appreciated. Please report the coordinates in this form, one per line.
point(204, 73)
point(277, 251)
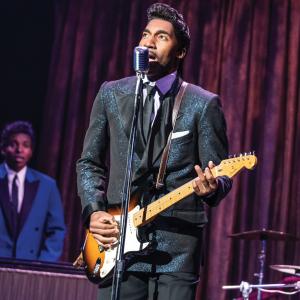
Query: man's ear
point(181, 53)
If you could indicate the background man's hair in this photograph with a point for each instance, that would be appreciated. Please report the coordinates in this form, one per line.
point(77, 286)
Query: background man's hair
point(15, 128)
point(170, 14)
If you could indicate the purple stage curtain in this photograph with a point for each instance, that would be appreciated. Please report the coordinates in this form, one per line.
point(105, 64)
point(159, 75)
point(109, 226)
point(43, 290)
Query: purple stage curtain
point(248, 52)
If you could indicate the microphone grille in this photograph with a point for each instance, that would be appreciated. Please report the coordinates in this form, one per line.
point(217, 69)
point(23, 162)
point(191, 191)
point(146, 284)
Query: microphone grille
point(141, 59)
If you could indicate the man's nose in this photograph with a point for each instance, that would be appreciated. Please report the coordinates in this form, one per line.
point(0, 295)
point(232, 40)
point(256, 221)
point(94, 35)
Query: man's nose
point(19, 149)
point(149, 42)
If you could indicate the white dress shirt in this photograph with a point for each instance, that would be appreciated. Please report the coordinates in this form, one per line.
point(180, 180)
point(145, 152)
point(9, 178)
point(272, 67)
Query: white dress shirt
point(20, 183)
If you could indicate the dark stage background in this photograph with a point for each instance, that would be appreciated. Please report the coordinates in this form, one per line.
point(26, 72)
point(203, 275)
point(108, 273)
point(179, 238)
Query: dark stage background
point(57, 53)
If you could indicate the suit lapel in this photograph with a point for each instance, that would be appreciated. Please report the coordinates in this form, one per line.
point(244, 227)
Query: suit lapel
point(125, 107)
point(31, 186)
point(165, 122)
point(30, 190)
point(14, 222)
point(159, 134)
point(6, 206)
point(154, 147)
point(124, 97)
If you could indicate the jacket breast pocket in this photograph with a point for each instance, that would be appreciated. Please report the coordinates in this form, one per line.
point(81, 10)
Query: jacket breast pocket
point(185, 138)
point(182, 150)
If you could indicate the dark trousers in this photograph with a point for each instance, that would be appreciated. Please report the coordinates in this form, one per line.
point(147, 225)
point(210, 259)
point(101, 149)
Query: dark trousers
point(163, 286)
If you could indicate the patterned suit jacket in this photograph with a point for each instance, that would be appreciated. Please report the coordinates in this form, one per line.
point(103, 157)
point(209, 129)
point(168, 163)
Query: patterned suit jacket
point(199, 136)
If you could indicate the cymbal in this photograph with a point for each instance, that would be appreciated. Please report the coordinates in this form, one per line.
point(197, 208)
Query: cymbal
point(264, 234)
point(289, 269)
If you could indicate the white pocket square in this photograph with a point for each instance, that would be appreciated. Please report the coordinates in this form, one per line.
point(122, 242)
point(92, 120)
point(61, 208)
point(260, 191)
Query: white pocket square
point(178, 134)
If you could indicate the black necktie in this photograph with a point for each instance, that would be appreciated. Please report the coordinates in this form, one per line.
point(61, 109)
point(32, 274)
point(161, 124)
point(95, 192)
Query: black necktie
point(14, 193)
point(148, 111)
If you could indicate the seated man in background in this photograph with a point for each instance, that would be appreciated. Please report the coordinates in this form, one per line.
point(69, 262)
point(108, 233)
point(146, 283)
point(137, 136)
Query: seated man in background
point(31, 214)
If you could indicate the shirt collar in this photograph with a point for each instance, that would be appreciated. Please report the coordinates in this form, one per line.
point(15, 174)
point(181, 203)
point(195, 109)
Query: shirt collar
point(164, 84)
point(11, 173)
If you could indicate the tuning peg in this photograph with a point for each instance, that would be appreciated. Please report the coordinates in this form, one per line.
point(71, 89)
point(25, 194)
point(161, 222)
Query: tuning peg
point(230, 156)
point(234, 155)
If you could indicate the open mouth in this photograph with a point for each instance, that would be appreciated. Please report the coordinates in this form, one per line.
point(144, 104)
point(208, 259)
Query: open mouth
point(152, 56)
point(19, 158)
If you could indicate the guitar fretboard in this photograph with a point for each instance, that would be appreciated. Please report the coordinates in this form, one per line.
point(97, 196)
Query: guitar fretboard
point(150, 211)
point(228, 167)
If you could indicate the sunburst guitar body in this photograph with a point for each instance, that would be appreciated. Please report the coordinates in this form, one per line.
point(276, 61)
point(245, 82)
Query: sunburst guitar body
point(100, 263)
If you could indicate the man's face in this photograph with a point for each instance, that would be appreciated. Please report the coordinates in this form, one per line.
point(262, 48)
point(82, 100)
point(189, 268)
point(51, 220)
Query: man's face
point(164, 54)
point(18, 151)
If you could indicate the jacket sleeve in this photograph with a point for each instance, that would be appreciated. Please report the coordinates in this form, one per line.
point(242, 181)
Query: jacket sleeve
point(54, 230)
point(92, 167)
point(213, 145)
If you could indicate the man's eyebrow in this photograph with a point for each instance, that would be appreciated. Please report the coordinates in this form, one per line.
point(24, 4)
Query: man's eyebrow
point(157, 32)
point(162, 31)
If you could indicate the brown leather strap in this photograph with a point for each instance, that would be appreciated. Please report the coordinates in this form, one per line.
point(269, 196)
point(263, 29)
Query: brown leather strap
point(163, 164)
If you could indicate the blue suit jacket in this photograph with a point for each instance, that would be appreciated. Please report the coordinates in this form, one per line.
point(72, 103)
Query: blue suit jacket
point(41, 228)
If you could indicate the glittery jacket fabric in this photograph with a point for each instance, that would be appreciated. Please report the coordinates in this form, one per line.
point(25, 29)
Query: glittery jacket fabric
point(177, 232)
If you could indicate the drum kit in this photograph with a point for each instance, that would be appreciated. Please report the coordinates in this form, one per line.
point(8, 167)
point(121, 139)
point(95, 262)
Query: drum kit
point(264, 235)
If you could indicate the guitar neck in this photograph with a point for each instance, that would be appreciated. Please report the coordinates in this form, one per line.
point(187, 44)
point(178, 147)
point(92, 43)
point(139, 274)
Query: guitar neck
point(147, 213)
point(229, 167)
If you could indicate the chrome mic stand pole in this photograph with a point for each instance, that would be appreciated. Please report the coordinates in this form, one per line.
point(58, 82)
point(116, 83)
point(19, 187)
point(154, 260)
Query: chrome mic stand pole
point(141, 60)
point(120, 261)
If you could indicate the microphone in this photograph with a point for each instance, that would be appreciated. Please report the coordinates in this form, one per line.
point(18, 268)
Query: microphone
point(141, 60)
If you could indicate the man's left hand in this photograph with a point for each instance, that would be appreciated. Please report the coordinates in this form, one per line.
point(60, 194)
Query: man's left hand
point(205, 183)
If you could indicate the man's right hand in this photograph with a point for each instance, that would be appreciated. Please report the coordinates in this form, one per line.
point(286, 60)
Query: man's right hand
point(104, 228)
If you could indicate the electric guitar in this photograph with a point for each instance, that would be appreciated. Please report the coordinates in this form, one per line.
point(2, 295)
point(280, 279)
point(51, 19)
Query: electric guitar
point(99, 262)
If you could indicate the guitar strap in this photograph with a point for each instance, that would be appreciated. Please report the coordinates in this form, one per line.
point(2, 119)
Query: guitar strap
point(164, 159)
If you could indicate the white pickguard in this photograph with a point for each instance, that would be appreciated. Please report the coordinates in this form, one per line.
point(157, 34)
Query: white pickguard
point(132, 244)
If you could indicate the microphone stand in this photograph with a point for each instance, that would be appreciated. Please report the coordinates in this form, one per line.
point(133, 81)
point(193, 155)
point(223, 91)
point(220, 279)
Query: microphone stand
point(120, 261)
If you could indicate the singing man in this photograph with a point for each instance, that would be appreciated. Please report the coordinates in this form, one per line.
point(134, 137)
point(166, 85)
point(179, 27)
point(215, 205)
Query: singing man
point(198, 142)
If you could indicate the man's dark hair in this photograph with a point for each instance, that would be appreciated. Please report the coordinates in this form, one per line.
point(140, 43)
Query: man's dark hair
point(15, 128)
point(170, 14)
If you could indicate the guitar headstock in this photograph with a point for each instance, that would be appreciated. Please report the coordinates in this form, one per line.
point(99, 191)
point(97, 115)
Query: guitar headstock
point(233, 165)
